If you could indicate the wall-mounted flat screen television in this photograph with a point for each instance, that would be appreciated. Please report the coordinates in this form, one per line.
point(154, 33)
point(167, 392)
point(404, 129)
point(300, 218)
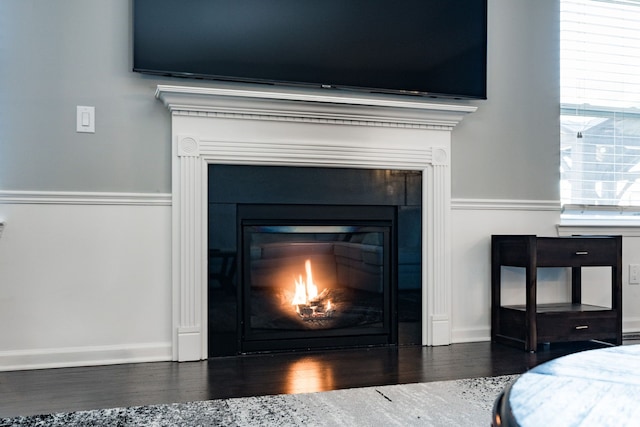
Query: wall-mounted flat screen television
point(423, 47)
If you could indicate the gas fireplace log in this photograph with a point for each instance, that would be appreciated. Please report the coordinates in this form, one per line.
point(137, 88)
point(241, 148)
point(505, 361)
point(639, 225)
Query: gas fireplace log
point(317, 307)
point(320, 297)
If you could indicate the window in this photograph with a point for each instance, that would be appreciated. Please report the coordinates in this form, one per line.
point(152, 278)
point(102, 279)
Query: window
point(600, 106)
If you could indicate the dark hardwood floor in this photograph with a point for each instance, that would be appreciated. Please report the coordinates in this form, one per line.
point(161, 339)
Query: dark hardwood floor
point(71, 389)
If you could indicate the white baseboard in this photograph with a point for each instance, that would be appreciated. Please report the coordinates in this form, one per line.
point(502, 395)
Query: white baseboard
point(631, 325)
point(84, 356)
point(478, 334)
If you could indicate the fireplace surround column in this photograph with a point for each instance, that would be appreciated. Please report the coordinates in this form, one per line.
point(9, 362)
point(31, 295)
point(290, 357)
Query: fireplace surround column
point(231, 124)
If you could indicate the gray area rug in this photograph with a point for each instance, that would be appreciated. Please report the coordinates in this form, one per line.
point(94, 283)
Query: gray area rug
point(465, 402)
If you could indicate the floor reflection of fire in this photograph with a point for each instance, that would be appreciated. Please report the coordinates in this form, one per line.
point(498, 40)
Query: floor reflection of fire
point(308, 303)
point(309, 375)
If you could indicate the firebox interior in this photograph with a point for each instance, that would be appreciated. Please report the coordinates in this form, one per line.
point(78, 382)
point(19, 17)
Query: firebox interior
point(316, 276)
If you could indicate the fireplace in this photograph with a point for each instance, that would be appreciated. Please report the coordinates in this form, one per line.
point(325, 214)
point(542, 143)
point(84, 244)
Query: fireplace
point(316, 276)
point(231, 124)
point(360, 231)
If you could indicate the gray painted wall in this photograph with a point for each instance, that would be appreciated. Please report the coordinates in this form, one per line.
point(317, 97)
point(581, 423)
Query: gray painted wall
point(510, 148)
point(57, 54)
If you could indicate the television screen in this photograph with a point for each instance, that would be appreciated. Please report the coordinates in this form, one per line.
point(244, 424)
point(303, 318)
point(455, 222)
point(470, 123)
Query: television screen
point(423, 47)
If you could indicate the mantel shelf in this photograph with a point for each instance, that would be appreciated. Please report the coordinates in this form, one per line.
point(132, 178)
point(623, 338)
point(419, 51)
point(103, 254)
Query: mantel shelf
point(313, 105)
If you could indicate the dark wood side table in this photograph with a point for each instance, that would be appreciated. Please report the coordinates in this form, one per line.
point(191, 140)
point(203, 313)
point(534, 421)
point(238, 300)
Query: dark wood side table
point(528, 325)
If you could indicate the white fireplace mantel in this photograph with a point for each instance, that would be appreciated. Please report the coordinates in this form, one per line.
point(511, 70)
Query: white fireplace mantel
point(269, 126)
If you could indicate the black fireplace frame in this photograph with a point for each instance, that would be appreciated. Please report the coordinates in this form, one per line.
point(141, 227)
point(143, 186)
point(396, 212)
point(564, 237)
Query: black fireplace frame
point(381, 218)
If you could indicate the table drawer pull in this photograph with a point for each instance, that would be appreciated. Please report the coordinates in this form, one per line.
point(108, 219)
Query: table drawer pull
point(582, 327)
point(582, 253)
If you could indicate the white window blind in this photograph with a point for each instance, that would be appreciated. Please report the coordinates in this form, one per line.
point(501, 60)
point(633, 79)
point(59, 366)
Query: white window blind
point(600, 105)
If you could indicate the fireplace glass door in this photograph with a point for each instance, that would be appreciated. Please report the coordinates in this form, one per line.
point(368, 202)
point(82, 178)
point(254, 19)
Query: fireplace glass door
point(316, 277)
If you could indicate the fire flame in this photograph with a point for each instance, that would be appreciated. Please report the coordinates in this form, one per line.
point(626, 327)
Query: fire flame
point(308, 303)
point(305, 289)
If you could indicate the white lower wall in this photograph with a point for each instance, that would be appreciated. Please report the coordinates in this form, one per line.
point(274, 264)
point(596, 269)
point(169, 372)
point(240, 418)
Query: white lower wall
point(85, 279)
point(473, 223)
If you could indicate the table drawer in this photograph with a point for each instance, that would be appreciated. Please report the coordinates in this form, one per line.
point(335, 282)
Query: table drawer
point(576, 327)
point(575, 252)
